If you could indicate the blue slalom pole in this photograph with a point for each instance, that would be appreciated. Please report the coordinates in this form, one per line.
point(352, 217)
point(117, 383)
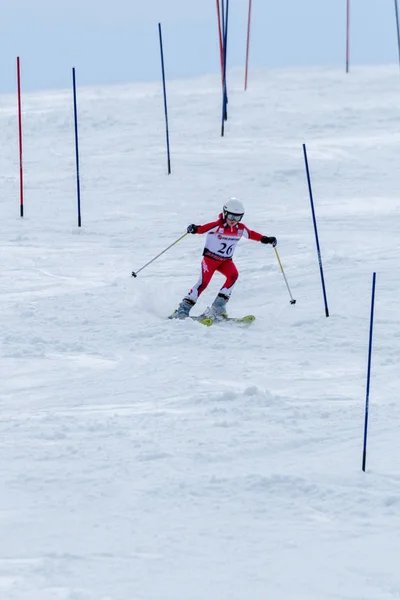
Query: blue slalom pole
point(225, 58)
point(316, 231)
point(224, 93)
point(78, 186)
point(397, 27)
point(165, 99)
point(371, 326)
point(223, 18)
point(224, 42)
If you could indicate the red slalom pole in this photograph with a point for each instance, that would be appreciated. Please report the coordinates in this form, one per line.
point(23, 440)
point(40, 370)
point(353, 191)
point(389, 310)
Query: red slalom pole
point(347, 36)
point(247, 47)
point(21, 179)
point(221, 47)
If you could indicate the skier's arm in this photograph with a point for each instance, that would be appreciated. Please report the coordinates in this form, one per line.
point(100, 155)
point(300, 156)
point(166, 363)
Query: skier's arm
point(258, 237)
point(202, 228)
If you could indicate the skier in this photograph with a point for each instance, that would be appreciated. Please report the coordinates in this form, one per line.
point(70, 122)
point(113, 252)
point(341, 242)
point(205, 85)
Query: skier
point(222, 238)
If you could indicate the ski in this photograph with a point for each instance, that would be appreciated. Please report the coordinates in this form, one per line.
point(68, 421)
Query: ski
point(203, 320)
point(247, 319)
point(207, 321)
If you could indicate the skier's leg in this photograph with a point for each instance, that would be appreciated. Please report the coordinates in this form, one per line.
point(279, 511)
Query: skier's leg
point(208, 267)
point(227, 268)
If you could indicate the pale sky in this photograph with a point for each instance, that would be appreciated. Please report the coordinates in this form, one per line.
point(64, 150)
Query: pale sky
point(117, 42)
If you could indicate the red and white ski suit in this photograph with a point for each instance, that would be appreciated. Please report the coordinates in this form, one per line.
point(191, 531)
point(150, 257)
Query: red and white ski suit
point(218, 251)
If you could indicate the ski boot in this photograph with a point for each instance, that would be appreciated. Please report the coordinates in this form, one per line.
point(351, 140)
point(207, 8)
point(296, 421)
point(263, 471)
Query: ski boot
point(183, 309)
point(218, 308)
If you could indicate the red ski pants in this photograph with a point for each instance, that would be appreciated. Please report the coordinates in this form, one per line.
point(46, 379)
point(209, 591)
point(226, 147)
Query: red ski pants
point(208, 268)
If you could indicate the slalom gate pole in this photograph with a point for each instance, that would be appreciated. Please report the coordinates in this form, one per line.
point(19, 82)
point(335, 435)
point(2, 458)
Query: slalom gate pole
point(135, 273)
point(223, 23)
point(221, 48)
point(225, 57)
point(224, 92)
point(224, 113)
point(347, 35)
point(397, 27)
point(21, 171)
point(292, 300)
point(78, 184)
point(247, 47)
point(165, 99)
point(364, 458)
point(315, 230)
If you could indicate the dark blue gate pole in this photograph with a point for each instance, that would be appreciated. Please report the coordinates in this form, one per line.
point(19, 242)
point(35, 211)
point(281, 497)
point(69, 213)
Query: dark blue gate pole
point(316, 231)
point(371, 326)
point(78, 186)
point(165, 99)
point(223, 18)
point(397, 27)
point(224, 54)
point(347, 36)
point(224, 92)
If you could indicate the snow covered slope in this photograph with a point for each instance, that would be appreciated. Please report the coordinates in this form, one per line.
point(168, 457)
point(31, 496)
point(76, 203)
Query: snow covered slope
point(144, 459)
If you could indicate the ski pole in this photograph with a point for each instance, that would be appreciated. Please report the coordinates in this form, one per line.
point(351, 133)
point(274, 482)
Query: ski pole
point(292, 300)
point(135, 273)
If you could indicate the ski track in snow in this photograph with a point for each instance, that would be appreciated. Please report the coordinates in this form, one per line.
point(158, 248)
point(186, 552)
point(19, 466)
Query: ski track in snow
point(149, 459)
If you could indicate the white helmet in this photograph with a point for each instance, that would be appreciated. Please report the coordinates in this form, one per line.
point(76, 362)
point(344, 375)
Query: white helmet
point(233, 209)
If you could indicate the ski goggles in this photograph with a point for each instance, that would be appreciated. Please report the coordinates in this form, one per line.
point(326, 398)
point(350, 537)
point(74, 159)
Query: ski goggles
point(233, 217)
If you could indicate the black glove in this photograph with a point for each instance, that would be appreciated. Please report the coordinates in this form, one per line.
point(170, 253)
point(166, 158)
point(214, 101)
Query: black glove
point(192, 228)
point(268, 240)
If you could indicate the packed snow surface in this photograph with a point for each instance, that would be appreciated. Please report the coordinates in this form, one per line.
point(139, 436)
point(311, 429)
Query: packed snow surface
point(150, 459)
